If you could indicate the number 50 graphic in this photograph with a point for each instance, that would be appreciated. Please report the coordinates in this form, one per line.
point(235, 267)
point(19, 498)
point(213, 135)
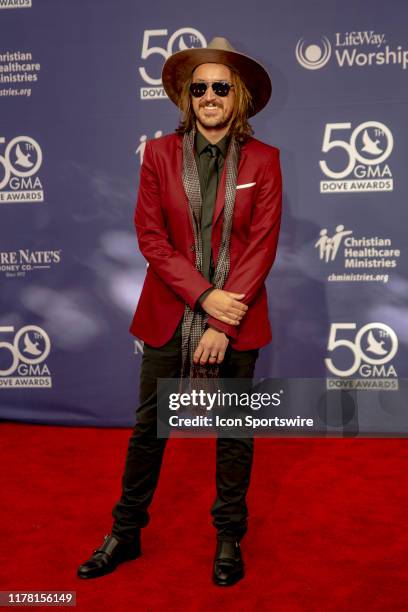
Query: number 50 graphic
point(379, 355)
point(350, 147)
point(7, 164)
point(15, 352)
point(165, 52)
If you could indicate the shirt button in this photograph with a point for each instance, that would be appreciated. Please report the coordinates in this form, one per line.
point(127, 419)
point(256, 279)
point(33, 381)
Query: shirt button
point(192, 248)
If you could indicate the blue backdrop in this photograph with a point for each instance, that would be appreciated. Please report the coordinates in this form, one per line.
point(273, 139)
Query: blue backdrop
point(80, 93)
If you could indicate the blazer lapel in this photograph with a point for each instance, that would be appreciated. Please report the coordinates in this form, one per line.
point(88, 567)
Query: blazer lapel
point(178, 175)
point(219, 202)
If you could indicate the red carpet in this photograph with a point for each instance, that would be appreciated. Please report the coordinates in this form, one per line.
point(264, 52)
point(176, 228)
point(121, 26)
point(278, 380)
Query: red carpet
point(328, 523)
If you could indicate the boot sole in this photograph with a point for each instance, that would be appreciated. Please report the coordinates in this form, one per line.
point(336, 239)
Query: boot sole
point(226, 583)
point(107, 570)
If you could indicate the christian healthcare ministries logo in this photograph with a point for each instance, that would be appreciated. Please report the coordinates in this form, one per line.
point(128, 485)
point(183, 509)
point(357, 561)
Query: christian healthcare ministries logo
point(359, 157)
point(361, 49)
point(19, 181)
point(183, 38)
point(19, 72)
point(359, 258)
point(368, 354)
point(142, 144)
point(22, 361)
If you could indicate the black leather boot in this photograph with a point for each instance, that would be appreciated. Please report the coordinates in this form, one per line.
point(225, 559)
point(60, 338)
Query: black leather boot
point(228, 564)
point(107, 557)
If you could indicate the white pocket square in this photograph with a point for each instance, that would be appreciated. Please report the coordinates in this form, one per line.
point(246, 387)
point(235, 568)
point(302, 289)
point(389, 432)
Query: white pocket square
point(245, 185)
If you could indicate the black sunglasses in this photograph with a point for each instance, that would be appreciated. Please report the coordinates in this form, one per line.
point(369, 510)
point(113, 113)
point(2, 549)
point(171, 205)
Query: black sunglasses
point(220, 88)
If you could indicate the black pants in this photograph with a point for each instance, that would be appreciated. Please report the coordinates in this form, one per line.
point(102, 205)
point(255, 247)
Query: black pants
point(145, 449)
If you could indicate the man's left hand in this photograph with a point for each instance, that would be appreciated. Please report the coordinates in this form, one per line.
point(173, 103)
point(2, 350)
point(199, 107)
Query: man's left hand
point(211, 347)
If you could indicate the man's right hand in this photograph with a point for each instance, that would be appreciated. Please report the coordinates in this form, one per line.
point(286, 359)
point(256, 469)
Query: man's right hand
point(225, 306)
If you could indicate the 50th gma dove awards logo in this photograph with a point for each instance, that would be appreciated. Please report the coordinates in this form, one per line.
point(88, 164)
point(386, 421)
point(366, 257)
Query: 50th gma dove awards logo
point(22, 357)
point(154, 44)
point(355, 159)
point(10, 4)
point(366, 353)
point(19, 181)
point(359, 49)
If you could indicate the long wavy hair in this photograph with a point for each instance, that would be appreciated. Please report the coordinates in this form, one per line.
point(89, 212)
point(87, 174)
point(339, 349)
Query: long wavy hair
point(240, 128)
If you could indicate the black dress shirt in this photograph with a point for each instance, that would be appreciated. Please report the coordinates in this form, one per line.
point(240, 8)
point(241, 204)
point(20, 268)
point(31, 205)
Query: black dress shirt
point(210, 163)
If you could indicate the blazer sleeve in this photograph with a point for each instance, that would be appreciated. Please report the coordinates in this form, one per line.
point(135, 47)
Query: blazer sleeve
point(169, 264)
point(252, 268)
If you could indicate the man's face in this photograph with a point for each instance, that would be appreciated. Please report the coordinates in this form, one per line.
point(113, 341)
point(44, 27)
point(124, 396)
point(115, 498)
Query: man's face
point(212, 111)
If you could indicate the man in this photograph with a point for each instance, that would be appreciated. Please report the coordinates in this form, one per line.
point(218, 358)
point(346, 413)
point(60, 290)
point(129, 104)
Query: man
point(207, 220)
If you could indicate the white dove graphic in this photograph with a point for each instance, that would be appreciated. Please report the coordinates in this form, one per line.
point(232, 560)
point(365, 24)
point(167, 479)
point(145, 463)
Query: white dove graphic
point(370, 146)
point(182, 45)
point(30, 346)
point(375, 346)
point(22, 158)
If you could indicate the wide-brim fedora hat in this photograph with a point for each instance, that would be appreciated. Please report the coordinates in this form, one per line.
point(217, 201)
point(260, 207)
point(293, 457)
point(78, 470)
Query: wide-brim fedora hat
point(179, 67)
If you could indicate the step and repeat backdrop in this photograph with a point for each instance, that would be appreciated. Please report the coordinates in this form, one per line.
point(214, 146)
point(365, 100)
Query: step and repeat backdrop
point(81, 93)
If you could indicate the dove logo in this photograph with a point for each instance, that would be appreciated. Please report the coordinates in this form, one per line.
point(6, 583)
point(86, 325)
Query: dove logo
point(183, 38)
point(376, 347)
point(21, 161)
point(313, 56)
point(22, 361)
point(363, 168)
point(368, 355)
point(371, 146)
point(31, 346)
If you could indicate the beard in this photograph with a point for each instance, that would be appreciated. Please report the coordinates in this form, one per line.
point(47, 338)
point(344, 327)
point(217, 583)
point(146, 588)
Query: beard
point(218, 121)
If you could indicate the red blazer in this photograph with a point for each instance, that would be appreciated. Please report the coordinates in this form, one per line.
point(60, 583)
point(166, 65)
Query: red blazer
point(166, 240)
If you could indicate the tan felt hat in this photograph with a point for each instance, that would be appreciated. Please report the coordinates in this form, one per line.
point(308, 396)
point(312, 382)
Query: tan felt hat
point(179, 67)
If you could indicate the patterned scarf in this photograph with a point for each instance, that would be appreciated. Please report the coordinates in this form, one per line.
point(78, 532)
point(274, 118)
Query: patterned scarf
point(194, 321)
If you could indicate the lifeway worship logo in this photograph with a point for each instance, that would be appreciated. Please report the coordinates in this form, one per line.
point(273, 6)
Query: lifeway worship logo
point(15, 264)
point(365, 150)
point(359, 49)
point(19, 166)
point(183, 38)
point(313, 56)
point(361, 258)
point(368, 354)
point(22, 361)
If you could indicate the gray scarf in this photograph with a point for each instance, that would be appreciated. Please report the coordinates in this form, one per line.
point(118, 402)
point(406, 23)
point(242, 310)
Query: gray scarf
point(194, 321)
